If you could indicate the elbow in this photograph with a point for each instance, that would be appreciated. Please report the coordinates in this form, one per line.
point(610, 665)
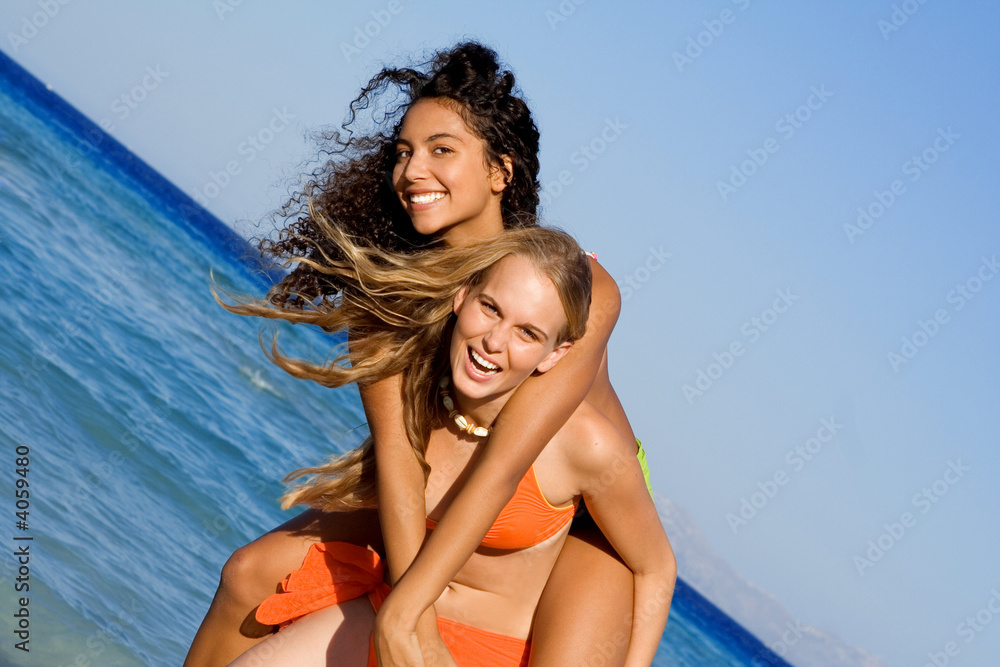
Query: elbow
point(671, 571)
point(669, 566)
point(663, 575)
point(669, 576)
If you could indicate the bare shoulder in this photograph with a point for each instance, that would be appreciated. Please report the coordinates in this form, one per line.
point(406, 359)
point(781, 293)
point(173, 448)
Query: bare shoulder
point(591, 443)
point(606, 298)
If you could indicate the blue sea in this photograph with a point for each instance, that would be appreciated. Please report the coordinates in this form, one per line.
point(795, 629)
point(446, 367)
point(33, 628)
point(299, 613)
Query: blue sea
point(144, 422)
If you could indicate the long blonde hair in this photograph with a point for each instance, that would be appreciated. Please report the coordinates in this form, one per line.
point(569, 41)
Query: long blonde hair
point(397, 309)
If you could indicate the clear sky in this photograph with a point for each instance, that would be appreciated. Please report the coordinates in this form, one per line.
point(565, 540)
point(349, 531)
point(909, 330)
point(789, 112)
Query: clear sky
point(799, 201)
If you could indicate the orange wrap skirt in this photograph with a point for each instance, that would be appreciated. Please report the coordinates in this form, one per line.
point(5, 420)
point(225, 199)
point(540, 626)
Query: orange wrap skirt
point(335, 572)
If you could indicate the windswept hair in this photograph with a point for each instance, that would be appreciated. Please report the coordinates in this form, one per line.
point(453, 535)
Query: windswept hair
point(353, 189)
point(398, 311)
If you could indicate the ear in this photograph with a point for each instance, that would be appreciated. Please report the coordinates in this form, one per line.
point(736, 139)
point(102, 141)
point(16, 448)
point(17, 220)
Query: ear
point(554, 357)
point(501, 174)
point(456, 305)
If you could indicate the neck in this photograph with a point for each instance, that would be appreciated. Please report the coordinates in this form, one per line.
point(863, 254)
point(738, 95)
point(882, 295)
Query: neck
point(479, 412)
point(482, 412)
point(472, 231)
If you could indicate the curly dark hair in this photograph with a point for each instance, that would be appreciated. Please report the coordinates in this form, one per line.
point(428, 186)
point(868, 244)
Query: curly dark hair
point(353, 188)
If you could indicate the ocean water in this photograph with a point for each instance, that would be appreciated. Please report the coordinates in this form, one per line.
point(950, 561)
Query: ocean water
point(146, 424)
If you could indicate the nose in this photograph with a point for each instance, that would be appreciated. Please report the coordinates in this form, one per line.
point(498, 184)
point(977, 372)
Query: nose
point(415, 167)
point(495, 340)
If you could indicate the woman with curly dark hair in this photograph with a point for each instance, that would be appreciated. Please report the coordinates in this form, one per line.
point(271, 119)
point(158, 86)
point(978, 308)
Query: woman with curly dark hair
point(460, 163)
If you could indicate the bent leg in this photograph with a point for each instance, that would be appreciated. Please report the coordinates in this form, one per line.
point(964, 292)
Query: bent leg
point(338, 635)
point(256, 570)
point(585, 614)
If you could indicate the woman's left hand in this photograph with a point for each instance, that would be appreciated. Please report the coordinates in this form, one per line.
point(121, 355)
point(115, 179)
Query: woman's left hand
point(395, 645)
point(402, 644)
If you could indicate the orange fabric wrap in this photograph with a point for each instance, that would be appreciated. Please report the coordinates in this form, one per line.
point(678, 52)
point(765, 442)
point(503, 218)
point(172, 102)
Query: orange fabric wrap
point(332, 572)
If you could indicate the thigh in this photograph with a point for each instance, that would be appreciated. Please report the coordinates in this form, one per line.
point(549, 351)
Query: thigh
point(585, 614)
point(338, 635)
point(256, 570)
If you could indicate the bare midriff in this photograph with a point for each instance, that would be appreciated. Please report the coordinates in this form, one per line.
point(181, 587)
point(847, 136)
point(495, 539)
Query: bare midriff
point(498, 591)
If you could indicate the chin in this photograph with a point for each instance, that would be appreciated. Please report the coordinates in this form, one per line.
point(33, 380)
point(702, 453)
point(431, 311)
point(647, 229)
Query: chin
point(427, 228)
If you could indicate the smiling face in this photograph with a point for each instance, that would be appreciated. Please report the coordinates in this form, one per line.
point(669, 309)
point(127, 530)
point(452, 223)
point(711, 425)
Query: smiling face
point(442, 177)
point(507, 328)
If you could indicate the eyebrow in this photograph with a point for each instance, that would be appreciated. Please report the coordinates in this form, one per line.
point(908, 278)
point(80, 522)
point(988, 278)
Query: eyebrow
point(433, 137)
point(542, 336)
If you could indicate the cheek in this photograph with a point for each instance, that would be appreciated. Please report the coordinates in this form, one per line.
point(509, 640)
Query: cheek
point(471, 321)
point(397, 178)
point(525, 356)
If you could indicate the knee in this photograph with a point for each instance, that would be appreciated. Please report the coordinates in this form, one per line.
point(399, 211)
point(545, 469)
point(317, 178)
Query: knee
point(243, 578)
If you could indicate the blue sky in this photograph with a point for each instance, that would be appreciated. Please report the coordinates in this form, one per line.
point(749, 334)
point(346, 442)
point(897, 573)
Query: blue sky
point(715, 155)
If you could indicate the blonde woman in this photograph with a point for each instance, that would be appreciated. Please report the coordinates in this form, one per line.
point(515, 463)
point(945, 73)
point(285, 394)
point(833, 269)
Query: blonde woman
point(464, 328)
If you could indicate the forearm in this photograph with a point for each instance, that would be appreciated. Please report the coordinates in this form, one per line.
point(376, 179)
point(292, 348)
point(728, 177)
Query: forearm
point(403, 530)
point(401, 495)
point(401, 507)
point(651, 605)
point(401, 514)
point(453, 541)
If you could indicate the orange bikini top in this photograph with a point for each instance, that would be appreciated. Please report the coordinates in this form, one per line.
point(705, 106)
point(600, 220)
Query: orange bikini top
point(528, 519)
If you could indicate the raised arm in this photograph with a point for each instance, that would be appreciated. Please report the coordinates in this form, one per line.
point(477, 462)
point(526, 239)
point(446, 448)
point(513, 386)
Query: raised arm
point(614, 489)
point(401, 501)
point(536, 411)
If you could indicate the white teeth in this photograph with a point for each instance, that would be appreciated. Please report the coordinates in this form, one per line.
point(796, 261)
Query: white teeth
point(426, 198)
point(482, 362)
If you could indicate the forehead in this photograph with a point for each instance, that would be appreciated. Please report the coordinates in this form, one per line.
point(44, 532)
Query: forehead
point(524, 294)
point(430, 116)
